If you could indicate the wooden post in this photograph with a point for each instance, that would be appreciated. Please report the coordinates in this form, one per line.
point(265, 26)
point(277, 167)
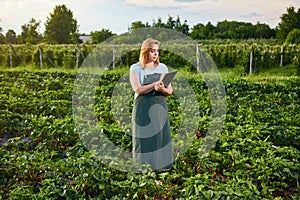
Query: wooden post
point(281, 56)
point(114, 56)
point(41, 58)
point(251, 59)
point(77, 56)
point(10, 55)
point(197, 57)
point(12, 48)
point(78, 53)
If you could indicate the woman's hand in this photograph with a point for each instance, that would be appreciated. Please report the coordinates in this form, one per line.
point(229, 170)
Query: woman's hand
point(159, 86)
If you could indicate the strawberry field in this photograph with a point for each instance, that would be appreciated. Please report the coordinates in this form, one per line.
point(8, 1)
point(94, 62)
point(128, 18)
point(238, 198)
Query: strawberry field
point(42, 156)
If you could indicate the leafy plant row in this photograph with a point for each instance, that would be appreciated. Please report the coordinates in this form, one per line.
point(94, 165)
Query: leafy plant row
point(42, 155)
point(224, 55)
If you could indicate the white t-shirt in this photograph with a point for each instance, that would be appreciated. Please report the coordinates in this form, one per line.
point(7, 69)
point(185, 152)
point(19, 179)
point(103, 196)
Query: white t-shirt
point(160, 68)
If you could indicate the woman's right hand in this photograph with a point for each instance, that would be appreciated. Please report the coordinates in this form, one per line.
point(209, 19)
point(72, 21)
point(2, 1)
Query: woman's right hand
point(159, 85)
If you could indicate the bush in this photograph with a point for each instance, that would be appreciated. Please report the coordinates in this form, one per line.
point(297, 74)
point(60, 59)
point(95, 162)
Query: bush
point(293, 37)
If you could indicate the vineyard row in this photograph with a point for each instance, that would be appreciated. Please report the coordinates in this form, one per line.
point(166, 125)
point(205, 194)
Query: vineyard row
point(258, 57)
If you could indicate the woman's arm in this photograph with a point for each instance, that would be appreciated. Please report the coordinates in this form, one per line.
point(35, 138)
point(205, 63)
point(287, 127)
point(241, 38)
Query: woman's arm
point(136, 85)
point(159, 86)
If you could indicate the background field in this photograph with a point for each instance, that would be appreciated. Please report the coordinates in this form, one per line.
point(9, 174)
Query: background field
point(256, 156)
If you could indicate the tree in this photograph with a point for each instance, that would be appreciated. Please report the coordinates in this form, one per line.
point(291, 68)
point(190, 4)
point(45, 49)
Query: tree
point(264, 31)
point(2, 38)
point(231, 30)
point(173, 24)
point(170, 23)
point(210, 30)
point(100, 36)
point(201, 31)
point(30, 34)
point(289, 21)
point(159, 23)
point(293, 37)
point(61, 27)
point(138, 24)
point(198, 32)
point(226, 30)
point(182, 28)
point(11, 36)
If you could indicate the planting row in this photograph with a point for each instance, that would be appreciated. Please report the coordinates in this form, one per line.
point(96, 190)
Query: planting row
point(228, 55)
point(43, 156)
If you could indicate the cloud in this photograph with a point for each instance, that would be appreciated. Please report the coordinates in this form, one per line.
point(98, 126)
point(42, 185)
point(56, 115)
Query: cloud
point(117, 15)
point(15, 13)
point(163, 4)
point(152, 3)
point(251, 15)
point(188, 0)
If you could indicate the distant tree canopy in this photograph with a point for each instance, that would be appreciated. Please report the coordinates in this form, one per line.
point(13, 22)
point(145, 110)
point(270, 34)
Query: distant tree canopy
point(231, 30)
point(171, 23)
point(100, 36)
point(293, 37)
point(138, 24)
point(61, 27)
point(11, 36)
point(30, 34)
point(289, 22)
point(223, 30)
point(2, 37)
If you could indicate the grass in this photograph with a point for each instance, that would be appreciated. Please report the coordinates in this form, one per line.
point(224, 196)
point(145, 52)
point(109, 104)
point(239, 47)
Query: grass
point(33, 68)
point(274, 74)
point(278, 73)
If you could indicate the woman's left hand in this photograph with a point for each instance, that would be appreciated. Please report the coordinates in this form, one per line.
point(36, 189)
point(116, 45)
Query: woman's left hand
point(159, 86)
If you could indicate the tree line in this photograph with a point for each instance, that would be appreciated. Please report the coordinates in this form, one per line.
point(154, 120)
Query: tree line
point(62, 28)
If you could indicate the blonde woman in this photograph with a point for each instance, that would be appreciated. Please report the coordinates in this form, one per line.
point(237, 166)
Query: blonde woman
point(152, 144)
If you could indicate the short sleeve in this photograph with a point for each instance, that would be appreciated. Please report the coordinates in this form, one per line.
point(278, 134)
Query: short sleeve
point(136, 67)
point(164, 67)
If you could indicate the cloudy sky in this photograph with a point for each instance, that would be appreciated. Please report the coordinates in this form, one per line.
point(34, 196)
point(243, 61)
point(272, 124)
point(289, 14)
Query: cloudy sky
point(117, 15)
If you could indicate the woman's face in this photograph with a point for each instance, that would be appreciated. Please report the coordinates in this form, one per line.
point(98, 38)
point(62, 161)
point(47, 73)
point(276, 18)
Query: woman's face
point(153, 54)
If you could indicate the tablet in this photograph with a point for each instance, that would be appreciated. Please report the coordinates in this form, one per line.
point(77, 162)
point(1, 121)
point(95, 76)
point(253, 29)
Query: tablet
point(168, 77)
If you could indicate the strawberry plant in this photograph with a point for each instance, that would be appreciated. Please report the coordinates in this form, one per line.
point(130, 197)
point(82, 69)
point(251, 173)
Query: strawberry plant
point(43, 157)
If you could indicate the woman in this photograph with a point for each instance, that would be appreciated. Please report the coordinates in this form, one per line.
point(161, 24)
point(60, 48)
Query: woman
point(152, 143)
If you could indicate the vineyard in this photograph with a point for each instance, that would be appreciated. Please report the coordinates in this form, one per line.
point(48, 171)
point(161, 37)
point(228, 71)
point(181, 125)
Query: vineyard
point(42, 156)
point(265, 56)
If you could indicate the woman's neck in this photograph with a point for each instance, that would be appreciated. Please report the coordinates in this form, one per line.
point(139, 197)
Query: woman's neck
point(150, 66)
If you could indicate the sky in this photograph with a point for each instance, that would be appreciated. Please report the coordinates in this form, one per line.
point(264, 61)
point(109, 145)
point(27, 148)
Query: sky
point(117, 15)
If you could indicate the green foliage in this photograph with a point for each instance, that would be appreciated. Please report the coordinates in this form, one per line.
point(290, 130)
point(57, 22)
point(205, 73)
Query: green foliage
point(293, 37)
point(29, 34)
point(2, 38)
point(228, 55)
point(42, 156)
point(289, 21)
point(231, 30)
point(137, 24)
point(100, 36)
point(11, 37)
point(171, 23)
point(53, 56)
point(61, 27)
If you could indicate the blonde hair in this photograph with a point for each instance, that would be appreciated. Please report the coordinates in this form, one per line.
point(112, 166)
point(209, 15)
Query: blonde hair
point(146, 47)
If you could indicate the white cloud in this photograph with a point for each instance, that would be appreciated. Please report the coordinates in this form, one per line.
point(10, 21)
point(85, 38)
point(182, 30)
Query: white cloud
point(15, 13)
point(187, 0)
point(163, 4)
point(117, 15)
